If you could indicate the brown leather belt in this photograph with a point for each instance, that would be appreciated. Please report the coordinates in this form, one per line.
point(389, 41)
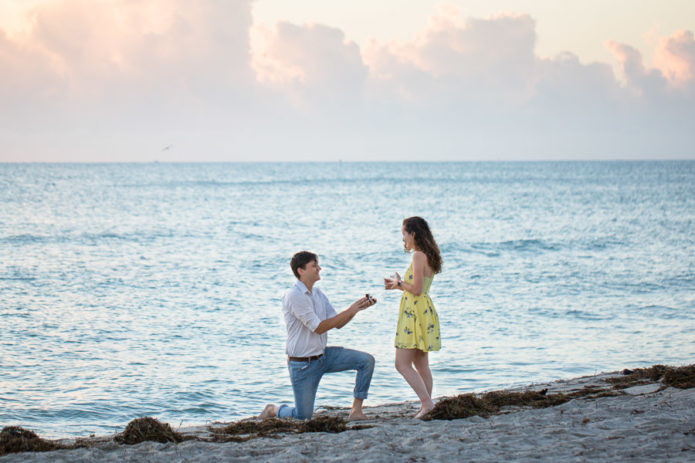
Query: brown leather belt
point(304, 359)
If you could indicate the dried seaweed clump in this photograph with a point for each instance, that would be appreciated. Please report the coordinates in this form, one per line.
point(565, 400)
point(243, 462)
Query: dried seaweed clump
point(536, 399)
point(245, 430)
point(680, 377)
point(14, 439)
point(332, 424)
point(461, 406)
point(259, 428)
point(466, 405)
point(147, 429)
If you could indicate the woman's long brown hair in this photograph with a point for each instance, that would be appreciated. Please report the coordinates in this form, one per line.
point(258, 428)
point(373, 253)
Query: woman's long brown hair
point(424, 241)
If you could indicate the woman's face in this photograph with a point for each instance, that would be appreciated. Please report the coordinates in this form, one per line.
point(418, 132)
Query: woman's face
point(408, 239)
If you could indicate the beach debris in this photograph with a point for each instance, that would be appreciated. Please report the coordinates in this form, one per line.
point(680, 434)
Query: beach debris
point(334, 424)
point(258, 428)
point(245, 430)
point(467, 405)
point(679, 377)
point(14, 439)
point(147, 429)
point(461, 406)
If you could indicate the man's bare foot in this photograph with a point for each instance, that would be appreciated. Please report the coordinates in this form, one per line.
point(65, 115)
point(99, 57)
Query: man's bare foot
point(357, 416)
point(270, 411)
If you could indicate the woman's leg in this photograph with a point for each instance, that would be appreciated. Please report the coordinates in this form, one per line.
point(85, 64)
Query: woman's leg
point(422, 365)
point(404, 365)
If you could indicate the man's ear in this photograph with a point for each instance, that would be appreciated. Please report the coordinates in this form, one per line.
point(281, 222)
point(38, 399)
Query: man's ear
point(300, 271)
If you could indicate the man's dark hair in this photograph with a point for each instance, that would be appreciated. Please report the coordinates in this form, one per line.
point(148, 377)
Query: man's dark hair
point(300, 260)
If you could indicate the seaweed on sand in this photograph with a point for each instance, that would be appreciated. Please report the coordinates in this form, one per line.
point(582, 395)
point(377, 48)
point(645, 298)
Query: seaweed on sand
point(147, 429)
point(14, 439)
point(334, 424)
point(259, 428)
point(680, 377)
point(245, 430)
point(466, 405)
point(461, 406)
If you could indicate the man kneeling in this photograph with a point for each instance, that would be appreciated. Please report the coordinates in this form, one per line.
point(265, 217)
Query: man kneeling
point(308, 316)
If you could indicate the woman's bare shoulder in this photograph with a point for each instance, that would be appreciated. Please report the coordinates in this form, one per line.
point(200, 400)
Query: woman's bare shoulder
point(420, 262)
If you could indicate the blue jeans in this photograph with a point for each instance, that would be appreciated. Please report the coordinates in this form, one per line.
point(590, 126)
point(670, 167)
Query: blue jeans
point(305, 378)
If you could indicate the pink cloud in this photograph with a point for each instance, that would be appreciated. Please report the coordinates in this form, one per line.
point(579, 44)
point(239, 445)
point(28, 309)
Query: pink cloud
point(120, 46)
point(492, 57)
point(141, 73)
point(644, 82)
point(675, 57)
point(310, 61)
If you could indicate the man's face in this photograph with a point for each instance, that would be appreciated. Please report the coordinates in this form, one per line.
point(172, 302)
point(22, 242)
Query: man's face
point(310, 272)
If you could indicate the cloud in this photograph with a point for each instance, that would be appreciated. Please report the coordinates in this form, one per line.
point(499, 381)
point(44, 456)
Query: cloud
point(119, 79)
point(640, 79)
point(312, 62)
point(483, 58)
point(675, 58)
point(124, 72)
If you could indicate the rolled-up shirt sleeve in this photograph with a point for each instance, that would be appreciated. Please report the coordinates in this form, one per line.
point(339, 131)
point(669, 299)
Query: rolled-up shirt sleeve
point(302, 308)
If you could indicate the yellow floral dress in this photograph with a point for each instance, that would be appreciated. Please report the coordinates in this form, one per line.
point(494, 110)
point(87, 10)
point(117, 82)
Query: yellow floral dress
point(418, 323)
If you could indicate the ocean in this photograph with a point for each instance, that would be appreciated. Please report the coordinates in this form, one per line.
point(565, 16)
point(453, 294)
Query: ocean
point(130, 290)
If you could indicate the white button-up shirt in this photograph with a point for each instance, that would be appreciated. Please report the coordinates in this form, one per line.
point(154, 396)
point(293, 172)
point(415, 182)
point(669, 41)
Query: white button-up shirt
point(303, 311)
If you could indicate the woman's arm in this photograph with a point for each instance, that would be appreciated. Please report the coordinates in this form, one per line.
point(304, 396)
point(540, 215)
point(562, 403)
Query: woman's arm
point(414, 287)
point(419, 262)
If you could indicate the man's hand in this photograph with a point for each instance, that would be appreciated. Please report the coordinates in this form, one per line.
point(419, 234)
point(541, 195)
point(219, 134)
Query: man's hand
point(363, 302)
point(344, 317)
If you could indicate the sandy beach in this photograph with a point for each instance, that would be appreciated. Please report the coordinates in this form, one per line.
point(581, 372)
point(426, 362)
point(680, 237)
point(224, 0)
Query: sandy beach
point(611, 419)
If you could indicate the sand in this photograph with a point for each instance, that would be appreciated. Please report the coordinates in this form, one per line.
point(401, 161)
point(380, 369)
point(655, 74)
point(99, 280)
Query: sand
point(645, 423)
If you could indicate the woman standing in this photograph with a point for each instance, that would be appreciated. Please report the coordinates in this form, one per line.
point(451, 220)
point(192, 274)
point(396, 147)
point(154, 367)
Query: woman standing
point(417, 332)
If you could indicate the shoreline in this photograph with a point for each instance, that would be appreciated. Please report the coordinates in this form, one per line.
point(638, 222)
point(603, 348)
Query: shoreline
point(640, 416)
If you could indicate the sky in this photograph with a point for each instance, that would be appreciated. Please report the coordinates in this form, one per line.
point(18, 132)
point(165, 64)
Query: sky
point(323, 80)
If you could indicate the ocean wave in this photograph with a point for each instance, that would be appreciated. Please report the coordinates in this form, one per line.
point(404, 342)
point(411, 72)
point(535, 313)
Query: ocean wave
point(24, 239)
point(528, 245)
point(584, 315)
point(495, 249)
point(30, 239)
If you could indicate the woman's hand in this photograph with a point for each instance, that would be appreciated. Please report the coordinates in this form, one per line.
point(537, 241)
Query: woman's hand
point(392, 283)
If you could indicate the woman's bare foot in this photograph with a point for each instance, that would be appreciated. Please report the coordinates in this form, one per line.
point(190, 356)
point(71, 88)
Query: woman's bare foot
point(270, 411)
point(424, 410)
point(357, 416)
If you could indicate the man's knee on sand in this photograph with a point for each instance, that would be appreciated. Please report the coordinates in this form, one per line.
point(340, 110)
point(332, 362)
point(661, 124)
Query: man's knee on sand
point(285, 411)
point(305, 415)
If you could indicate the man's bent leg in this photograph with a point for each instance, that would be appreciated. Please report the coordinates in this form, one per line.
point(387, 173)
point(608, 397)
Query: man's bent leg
point(341, 359)
point(305, 377)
